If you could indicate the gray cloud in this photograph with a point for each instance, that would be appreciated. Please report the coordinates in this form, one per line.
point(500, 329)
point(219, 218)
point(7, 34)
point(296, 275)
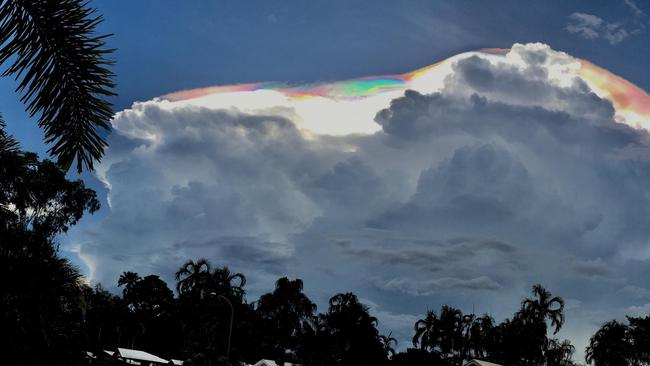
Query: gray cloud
point(590, 267)
point(433, 286)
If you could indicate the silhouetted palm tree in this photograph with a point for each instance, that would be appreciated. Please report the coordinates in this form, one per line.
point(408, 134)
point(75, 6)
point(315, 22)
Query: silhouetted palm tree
point(426, 333)
point(389, 344)
point(544, 306)
point(477, 337)
point(283, 312)
point(192, 275)
point(352, 332)
point(450, 323)
point(128, 280)
point(227, 283)
point(61, 64)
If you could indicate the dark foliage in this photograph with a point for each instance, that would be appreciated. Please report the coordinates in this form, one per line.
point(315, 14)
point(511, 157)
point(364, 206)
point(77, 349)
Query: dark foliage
point(42, 301)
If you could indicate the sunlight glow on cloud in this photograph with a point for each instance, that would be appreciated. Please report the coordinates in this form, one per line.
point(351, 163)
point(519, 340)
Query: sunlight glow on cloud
point(348, 106)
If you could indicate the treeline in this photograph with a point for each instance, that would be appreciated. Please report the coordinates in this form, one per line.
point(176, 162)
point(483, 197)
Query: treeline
point(48, 315)
point(283, 325)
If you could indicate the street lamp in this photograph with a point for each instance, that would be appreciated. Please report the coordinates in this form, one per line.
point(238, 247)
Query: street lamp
point(232, 318)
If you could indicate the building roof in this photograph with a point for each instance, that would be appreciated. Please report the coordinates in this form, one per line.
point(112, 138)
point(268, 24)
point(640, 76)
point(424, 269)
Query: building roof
point(134, 354)
point(480, 363)
point(175, 362)
point(271, 363)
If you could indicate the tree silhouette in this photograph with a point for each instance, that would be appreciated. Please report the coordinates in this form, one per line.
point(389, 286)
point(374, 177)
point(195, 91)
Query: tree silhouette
point(61, 66)
point(353, 332)
point(611, 346)
point(224, 282)
point(544, 306)
point(559, 353)
point(193, 275)
point(282, 313)
point(389, 344)
point(41, 302)
point(426, 332)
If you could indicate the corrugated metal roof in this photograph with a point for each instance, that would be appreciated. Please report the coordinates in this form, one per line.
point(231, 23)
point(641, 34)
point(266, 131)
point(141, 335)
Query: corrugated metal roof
point(135, 354)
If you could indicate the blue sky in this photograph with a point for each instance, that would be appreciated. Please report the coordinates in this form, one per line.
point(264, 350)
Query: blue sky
point(322, 233)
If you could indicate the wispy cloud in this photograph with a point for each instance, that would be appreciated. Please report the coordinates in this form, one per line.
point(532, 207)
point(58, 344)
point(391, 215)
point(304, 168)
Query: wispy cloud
point(591, 27)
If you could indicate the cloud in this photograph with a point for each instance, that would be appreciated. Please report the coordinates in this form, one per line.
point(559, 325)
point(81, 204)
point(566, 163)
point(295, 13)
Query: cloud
point(585, 25)
point(635, 9)
point(636, 292)
point(591, 27)
point(495, 172)
point(590, 267)
point(433, 286)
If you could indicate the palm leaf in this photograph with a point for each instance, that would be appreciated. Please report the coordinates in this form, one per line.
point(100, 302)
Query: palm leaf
point(60, 63)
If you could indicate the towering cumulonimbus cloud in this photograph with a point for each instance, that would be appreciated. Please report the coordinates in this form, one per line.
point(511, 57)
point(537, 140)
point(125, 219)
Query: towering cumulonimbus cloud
point(464, 182)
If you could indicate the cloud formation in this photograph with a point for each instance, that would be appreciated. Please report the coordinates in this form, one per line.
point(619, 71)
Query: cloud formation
point(509, 171)
point(591, 27)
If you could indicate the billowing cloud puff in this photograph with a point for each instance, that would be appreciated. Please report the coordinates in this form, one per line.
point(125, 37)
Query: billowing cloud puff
point(462, 183)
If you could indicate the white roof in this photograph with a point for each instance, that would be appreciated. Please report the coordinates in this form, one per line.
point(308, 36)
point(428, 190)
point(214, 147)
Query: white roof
point(176, 362)
point(271, 363)
point(110, 353)
point(480, 363)
point(134, 354)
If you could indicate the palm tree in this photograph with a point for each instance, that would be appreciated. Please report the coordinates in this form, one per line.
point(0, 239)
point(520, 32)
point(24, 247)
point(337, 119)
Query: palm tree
point(61, 65)
point(544, 306)
point(559, 353)
point(611, 346)
point(388, 343)
point(477, 337)
point(128, 280)
point(227, 283)
point(192, 275)
point(353, 331)
point(449, 325)
point(426, 334)
point(7, 143)
point(283, 313)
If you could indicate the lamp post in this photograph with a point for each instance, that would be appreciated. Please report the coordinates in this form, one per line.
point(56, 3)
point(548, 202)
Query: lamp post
point(232, 318)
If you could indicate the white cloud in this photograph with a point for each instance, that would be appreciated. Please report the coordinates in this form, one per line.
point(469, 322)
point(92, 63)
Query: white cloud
point(488, 178)
point(585, 25)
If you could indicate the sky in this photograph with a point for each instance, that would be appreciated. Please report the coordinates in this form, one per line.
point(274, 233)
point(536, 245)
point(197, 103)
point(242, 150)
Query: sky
point(497, 172)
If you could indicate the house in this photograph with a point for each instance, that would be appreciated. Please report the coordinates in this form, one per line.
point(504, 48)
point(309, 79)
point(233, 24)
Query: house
point(480, 363)
point(138, 358)
point(175, 362)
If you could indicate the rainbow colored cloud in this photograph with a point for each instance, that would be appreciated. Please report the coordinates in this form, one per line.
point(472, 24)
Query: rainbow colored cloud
point(632, 104)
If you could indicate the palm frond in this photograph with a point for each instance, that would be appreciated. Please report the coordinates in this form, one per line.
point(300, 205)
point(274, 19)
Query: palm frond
point(8, 145)
point(61, 66)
